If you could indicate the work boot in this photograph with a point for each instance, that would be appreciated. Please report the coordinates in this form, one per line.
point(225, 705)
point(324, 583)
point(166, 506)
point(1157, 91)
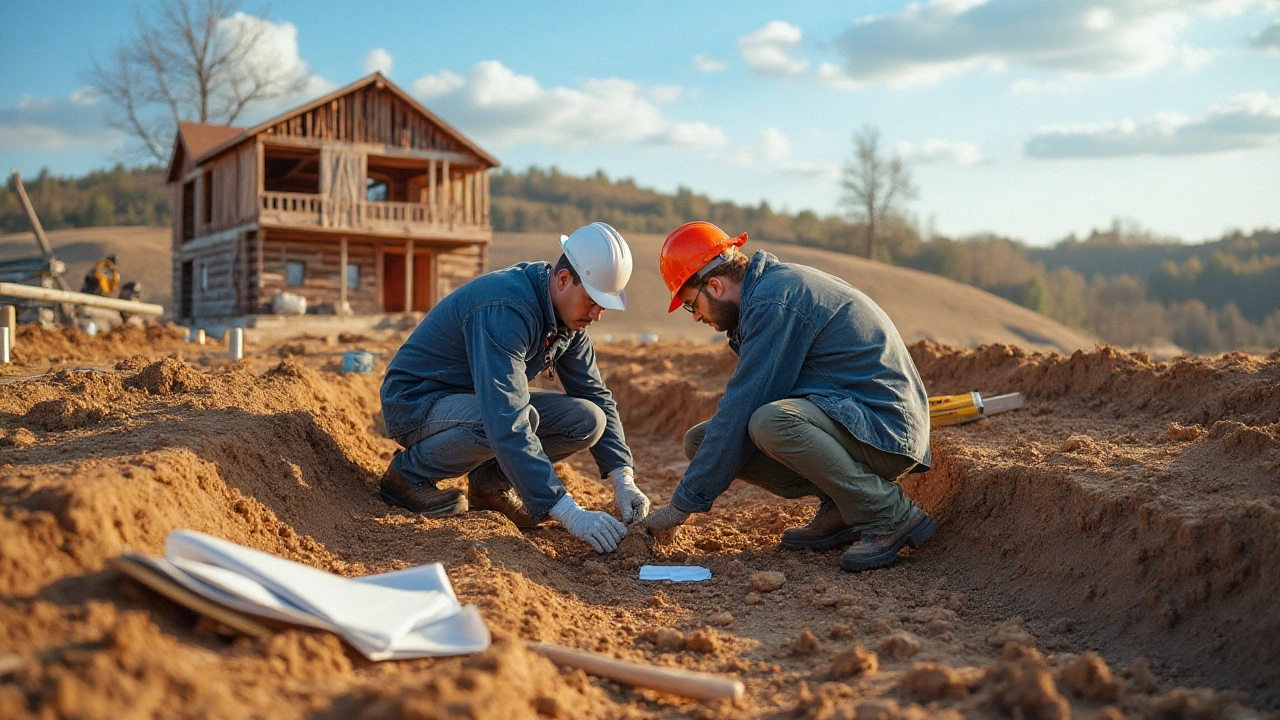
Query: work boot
point(825, 531)
point(422, 498)
point(489, 489)
point(875, 551)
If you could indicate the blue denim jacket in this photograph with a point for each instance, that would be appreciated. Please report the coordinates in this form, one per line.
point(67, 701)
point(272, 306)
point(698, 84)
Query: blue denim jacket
point(491, 337)
point(805, 334)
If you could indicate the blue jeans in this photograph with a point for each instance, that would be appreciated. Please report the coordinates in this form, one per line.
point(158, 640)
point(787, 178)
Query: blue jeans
point(452, 442)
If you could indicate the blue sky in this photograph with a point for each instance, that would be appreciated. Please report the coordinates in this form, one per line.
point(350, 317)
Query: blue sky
point(1028, 118)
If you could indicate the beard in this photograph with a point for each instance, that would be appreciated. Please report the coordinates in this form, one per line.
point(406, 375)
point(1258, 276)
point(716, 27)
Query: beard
point(722, 315)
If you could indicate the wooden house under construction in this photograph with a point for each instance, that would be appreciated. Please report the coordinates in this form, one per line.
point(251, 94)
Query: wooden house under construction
point(362, 202)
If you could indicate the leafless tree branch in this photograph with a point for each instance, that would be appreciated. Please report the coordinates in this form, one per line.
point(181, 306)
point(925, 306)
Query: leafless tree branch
point(190, 60)
point(874, 186)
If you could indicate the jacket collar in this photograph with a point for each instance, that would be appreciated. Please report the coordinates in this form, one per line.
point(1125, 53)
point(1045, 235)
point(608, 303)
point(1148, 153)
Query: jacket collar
point(759, 263)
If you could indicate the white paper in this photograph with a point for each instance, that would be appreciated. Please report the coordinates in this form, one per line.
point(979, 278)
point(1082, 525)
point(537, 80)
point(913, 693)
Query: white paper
point(675, 573)
point(403, 614)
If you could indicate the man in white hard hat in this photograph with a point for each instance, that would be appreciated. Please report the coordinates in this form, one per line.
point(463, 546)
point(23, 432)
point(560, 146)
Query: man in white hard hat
point(457, 399)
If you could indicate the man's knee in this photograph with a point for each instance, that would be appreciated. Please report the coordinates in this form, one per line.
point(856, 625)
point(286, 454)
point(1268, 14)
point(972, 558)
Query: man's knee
point(693, 439)
point(774, 423)
point(587, 423)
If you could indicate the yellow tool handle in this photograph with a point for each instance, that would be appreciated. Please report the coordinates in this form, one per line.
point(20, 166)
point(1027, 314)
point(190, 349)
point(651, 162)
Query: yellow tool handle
point(954, 409)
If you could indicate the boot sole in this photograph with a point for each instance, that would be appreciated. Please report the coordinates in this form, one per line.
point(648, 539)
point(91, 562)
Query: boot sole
point(456, 507)
point(830, 542)
point(914, 539)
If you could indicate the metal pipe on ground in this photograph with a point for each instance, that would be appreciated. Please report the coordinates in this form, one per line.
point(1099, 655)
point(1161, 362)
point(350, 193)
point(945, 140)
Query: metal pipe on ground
point(28, 292)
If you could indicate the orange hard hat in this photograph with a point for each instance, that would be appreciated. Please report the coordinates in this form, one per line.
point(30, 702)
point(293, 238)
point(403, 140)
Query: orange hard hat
point(687, 249)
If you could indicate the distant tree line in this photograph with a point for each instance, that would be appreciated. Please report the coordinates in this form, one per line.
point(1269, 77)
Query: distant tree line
point(1124, 284)
point(103, 197)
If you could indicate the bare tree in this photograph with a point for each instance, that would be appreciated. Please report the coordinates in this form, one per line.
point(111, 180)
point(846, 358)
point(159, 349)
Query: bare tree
point(188, 63)
point(874, 186)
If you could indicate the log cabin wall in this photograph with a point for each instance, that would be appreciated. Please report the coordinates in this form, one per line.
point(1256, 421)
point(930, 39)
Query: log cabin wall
point(321, 273)
point(457, 267)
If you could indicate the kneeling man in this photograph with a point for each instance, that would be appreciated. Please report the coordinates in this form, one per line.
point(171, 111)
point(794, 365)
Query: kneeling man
point(825, 400)
point(457, 399)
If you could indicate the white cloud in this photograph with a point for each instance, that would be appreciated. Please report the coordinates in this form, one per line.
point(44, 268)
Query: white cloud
point(665, 93)
point(50, 124)
point(276, 51)
point(811, 172)
point(709, 64)
point(86, 95)
point(1268, 39)
point(774, 145)
point(940, 152)
point(1245, 121)
point(378, 60)
point(927, 42)
point(765, 50)
point(501, 107)
point(696, 134)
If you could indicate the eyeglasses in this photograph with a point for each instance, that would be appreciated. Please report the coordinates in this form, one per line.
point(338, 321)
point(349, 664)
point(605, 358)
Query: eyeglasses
point(688, 307)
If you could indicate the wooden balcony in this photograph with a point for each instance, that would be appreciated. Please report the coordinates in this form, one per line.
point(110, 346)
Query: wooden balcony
point(308, 211)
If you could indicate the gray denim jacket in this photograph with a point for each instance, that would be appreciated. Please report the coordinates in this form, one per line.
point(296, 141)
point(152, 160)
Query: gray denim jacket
point(490, 337)
point(805, 334)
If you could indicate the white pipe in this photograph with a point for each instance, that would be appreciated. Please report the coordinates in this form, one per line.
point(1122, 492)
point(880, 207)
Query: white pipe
point(235, 343)
point(5, 340)
point(199, 337)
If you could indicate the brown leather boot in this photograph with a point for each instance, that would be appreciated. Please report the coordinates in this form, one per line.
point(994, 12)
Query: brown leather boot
point(423, 498)
point(489, 489)
point(875, 551)
point(825, 531)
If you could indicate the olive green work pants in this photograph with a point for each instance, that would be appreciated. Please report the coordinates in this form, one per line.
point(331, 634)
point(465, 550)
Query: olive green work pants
point(803, 452)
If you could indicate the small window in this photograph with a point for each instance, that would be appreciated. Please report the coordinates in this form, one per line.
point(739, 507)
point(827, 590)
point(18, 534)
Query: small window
point(204, 276)
point(375, 190)
point(353, 277)
point(295, 273)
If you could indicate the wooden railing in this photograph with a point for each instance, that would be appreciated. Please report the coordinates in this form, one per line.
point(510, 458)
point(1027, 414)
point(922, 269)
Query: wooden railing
point(319, 211)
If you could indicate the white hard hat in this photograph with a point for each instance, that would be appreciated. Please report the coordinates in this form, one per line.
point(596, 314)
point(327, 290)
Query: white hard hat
point(603, 262)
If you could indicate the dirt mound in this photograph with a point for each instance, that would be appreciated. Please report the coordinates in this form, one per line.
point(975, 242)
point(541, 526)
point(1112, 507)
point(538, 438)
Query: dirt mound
point(1129, 510)
point(37, 346)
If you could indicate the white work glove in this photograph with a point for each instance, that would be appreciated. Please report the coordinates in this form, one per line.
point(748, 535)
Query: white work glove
point(632, 504)
point(665, 518)
point(600, 530)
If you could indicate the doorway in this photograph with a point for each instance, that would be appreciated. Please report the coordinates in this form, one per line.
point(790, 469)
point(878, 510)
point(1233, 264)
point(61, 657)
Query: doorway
point(393, 282)
point(185, 283)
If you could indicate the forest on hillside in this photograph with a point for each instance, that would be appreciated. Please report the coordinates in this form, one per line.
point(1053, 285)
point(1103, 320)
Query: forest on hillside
point(1122, 283)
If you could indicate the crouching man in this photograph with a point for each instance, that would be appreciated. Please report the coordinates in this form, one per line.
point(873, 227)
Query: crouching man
point(825, 400)
point(457, 399)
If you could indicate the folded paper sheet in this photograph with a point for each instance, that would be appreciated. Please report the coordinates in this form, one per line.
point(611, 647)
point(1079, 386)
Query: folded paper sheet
point(674, 573)
point(404, 614)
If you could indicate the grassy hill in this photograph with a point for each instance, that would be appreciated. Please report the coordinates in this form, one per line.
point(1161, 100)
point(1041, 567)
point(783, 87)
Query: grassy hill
point(922, 305)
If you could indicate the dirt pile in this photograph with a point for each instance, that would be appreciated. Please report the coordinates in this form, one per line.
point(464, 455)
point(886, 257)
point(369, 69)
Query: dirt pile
point(1126, 518)
point(35, 344)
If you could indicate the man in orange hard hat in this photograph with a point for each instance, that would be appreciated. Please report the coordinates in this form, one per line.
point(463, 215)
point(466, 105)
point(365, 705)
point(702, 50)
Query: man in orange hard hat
point(825, 400)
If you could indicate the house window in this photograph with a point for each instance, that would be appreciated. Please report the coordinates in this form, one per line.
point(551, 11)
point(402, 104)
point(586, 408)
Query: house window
point(208, 198)
point(353, 277)
point(375, 190)
point(295, 273)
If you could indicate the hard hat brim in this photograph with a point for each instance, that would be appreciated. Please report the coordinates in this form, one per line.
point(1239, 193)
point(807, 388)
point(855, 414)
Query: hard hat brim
point(608, 301)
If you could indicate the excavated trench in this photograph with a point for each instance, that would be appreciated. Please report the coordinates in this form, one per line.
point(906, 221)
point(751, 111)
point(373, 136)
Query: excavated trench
point(1131, 509)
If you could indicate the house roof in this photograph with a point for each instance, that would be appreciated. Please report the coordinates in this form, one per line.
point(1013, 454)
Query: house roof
point(202, 142)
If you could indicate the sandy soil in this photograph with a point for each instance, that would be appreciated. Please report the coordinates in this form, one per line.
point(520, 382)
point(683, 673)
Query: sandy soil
point(1110, 550)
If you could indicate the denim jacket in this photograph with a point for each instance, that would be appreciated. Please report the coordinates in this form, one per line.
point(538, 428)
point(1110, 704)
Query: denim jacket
point(805, 334)
point(491, 337)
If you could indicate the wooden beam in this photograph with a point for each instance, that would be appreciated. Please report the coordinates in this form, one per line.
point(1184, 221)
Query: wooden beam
point(76, 298)
point(378, 271)
point(408, 277)
point(379, 149)
point(342, 276)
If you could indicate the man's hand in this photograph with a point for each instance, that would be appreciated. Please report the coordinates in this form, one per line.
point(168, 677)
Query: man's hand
point(601, 531)
point(665, 518)
point(632, 504)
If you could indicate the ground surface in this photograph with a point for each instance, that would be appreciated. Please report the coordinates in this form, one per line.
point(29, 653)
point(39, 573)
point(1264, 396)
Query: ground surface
point(1111, 550)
